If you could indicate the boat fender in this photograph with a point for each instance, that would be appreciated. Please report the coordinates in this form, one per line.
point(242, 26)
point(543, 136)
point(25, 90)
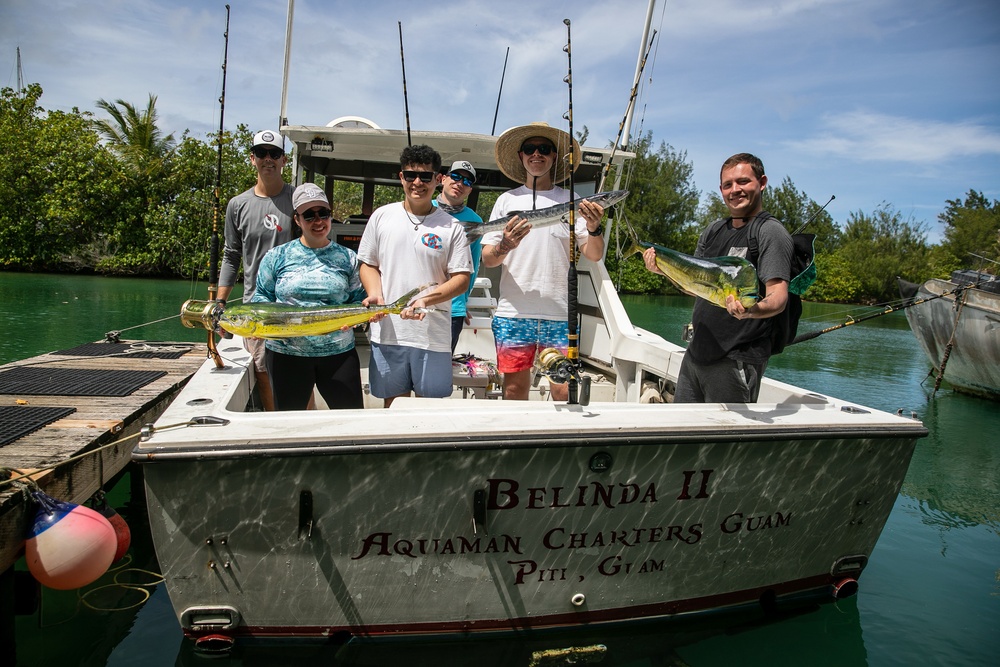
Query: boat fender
point(844, 588)
point(68, 546)
point(214, 644)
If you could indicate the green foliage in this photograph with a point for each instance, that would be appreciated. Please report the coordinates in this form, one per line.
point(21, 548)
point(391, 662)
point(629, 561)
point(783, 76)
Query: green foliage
point(879, 247)
point(661, 209)
point(56, 184)
point(972, 232)
point(117, 196)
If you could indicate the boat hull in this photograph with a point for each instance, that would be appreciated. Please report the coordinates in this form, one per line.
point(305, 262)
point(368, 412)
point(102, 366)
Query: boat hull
point(585, 522)
point(972, 364)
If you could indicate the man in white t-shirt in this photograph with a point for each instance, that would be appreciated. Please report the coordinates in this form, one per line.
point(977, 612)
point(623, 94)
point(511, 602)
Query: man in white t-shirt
point(532, 311)
point(408, 245)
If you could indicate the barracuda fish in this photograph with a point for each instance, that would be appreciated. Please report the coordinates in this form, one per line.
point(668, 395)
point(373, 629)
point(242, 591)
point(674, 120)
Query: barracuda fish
point(280, 320)
point(542, 217)
point(711, 279)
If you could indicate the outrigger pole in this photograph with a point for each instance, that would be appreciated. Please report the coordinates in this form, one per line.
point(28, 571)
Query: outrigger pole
point(213, 262)
point(500, 92)
point(801, 338)
point(406, 103)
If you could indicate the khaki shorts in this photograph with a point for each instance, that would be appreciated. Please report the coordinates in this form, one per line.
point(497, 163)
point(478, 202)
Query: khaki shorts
point(255, 346)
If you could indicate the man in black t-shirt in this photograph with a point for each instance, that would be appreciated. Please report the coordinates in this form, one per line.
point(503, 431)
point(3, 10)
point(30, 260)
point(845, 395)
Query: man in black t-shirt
point(726, 359)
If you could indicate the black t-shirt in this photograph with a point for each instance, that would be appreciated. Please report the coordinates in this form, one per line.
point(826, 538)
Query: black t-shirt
point(717, 334)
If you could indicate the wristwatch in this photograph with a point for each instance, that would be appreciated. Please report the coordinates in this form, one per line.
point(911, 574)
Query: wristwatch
point(597, 232)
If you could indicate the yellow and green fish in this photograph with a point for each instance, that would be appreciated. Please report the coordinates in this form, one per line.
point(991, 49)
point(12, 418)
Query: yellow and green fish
point(712, 279)
point(281, 320)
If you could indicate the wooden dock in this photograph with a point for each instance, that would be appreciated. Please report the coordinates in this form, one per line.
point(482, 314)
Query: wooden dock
point(97, 420)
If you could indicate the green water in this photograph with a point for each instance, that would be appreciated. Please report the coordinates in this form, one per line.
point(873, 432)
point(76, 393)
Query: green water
point(930, 595)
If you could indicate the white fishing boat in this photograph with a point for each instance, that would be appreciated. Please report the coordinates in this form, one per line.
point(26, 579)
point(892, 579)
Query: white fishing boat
point(472, 515)
point(959, 330)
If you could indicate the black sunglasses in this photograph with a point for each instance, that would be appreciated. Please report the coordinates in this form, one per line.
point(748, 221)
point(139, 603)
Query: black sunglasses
point(466, 181)
point(314, 213)
point(424, 176)
point(262, 151)
point(544, 149)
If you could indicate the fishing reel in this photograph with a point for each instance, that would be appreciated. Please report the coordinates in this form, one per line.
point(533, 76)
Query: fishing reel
point(196, 313)
point(555, 366)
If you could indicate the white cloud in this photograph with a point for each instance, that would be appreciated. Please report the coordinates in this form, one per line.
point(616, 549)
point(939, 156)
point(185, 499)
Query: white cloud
point(868, 136)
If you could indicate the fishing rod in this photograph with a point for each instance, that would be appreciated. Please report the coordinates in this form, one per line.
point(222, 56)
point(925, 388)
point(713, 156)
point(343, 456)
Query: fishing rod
point(406, 103)
point(213, 262)
point(500, 92)
point(628, 108)
point(573, 349)
point(813, 216)
point(888, 309)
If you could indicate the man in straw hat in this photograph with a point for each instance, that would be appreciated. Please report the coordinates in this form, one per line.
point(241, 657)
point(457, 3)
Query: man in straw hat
point(534, 300)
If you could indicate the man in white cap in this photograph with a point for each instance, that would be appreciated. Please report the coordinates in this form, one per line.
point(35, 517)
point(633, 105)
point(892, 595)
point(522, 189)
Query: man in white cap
point(256, 221)
point(533, 307)
point(456, 186)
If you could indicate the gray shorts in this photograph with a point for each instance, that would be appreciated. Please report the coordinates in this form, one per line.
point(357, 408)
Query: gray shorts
point(396, 370)
point(255, 346)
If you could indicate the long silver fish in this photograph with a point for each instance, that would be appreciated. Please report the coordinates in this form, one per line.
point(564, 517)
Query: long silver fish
point(542, 217)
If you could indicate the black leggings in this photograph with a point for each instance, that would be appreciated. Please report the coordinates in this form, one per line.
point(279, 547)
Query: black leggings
point(338, 378)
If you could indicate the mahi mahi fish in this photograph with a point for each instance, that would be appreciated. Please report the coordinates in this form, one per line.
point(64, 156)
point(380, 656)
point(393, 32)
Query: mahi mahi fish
point(281, 320)
point(712, 279)
point(542, 217)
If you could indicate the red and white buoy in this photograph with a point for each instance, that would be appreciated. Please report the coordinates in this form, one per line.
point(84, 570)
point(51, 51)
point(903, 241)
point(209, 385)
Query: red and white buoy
point(68, 546)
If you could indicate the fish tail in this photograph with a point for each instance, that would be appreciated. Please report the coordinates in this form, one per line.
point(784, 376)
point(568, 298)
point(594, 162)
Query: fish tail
point(635, 246)
point(473, 230)
point(401, 302)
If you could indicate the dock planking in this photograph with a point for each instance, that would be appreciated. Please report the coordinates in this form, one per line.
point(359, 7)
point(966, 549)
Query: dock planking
point(96, 421)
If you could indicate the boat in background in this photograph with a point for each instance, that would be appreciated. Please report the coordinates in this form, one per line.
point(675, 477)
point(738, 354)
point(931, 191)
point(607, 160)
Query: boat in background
point(959, 330)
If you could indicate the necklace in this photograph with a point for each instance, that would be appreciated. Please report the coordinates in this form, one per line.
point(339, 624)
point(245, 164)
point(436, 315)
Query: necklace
point(415, 220)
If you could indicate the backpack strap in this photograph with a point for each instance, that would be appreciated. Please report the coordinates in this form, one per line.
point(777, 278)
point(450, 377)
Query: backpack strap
point(753, 245)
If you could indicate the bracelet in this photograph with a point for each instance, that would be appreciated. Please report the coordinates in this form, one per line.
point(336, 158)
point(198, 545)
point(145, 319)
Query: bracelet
point(597, 232)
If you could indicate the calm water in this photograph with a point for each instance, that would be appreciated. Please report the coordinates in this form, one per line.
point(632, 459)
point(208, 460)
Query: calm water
point(930, 595)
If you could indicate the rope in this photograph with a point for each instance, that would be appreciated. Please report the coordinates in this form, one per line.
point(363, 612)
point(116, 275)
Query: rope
point(951, 342)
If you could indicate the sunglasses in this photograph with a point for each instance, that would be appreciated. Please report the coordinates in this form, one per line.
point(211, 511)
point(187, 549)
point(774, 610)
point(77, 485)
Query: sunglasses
point(466, 181)
point(544, 149)
point(424, 176)
point(261, 152)
point(316, 213)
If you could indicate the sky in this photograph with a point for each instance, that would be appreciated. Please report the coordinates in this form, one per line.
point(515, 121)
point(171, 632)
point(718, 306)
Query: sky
point(877, 102)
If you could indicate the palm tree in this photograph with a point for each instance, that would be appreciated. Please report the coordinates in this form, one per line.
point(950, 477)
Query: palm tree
point(134, 137)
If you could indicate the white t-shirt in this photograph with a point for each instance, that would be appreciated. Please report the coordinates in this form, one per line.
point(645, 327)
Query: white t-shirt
point(409, 258)
point(533, 277)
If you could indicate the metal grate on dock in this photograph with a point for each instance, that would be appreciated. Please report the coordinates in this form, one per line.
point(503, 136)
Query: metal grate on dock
point(17, 421)
point(41, 381)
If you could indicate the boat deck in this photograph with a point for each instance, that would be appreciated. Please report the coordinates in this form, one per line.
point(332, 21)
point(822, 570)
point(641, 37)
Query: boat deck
point(60, 404)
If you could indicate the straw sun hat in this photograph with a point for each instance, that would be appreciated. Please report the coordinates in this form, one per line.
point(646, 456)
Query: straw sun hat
point(506, 151)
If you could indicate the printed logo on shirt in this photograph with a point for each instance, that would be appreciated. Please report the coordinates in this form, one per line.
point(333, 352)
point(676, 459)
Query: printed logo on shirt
point(738, 252)
point(432, 241)
point(271, 222)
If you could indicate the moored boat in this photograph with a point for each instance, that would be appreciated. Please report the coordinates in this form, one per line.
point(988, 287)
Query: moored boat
point(464, 515)
point(958, 328)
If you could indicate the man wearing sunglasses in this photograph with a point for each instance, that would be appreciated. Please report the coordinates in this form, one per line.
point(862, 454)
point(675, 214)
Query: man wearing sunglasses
point(534, 297)
point(407, 245)
point(456, 186)
point(256, 221)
